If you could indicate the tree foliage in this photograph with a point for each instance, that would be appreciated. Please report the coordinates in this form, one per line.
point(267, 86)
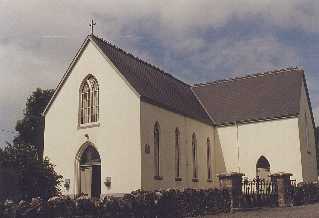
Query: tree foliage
point(35, 177)
point(30, 129)
point(32, 175)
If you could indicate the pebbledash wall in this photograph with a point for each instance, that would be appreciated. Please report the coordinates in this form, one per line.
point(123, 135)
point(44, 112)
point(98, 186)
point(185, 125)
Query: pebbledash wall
point(168, 122)
point(283, 142)
point(277, 140)
point(117, 138)
point(307, 146)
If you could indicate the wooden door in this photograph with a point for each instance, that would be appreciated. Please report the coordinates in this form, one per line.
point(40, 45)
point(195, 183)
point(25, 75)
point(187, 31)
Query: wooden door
point(86, 180)
point(96, 181)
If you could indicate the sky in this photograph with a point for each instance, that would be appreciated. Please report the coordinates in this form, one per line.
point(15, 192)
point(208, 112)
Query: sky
point(196, 41)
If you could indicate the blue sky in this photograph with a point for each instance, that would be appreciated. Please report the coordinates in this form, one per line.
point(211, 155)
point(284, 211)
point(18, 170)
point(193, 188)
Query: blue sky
point(195, 41)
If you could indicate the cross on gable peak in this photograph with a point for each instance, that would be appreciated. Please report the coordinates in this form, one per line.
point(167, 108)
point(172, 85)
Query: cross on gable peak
point(92, 24)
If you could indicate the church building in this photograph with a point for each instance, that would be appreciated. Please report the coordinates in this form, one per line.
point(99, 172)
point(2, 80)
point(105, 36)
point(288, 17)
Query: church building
point(116, 124)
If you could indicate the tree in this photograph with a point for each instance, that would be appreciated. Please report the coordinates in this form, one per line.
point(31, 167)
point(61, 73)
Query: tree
point(35, 177)
point(31, 128)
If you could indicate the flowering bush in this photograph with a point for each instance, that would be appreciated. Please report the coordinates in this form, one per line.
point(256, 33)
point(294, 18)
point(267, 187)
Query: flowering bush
point(60, 206)
point(165, 203)
point(85, 206)
point(305, 193)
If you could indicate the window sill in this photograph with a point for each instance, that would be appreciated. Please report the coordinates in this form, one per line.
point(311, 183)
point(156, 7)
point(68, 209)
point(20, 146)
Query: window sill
point(178, 179)
point(158, 177)
point(195, 179)
point(209, 180)
point(88, 125)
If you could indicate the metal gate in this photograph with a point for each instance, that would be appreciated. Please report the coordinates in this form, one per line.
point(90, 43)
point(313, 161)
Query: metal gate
point(259, 193)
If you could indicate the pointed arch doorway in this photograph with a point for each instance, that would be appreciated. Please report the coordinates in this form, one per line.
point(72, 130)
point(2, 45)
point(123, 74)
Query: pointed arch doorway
point(88, 172)
point(263, 168)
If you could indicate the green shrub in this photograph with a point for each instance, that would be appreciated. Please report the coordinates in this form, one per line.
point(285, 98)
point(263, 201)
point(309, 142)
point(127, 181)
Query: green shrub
point(34, 177)
point(167, 203)
point(305, 193)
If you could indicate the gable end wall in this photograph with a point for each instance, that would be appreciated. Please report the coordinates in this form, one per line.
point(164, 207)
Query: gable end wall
point(116, 138)
point(308, 151)
point(277, 140)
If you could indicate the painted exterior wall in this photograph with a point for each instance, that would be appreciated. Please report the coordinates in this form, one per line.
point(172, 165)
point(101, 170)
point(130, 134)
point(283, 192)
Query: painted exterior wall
point(277, 140)
point(117, 138)
point(307, 146)
point(168, 122)
point(126, 125)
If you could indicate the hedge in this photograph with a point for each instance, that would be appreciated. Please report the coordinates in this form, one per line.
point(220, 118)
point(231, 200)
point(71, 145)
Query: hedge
point(168, 203)
point(305, 193)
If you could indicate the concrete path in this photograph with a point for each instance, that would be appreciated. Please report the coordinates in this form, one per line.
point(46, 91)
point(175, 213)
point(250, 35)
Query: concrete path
point(308, 211)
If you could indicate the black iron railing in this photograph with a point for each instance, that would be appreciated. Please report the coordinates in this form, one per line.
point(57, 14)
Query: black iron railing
point(259, 193)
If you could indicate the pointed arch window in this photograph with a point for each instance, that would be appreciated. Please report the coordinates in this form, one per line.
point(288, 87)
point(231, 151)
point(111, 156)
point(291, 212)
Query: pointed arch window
point(194, 156)
point(263, 168)
point(209, 160)
point(157, 150)
point(177, 154)
point(89, 100)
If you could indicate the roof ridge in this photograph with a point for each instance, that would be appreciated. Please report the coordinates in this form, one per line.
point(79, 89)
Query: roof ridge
point(162, 89)
point(140, 60)
point(249, 76)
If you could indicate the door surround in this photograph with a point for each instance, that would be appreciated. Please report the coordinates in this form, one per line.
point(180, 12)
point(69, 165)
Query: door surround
point(77, 165)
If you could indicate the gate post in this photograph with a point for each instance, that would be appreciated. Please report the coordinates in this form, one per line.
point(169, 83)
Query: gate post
point(233, 183)
point(283, 183)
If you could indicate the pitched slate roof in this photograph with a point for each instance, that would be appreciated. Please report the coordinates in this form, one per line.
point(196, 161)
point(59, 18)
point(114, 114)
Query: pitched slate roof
point(154, 85)
point(264, 96)
point(251, 98)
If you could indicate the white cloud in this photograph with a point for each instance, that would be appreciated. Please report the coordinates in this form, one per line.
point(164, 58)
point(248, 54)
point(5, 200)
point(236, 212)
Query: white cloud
point(179, 16)
point(256, 55)
point(229, 57)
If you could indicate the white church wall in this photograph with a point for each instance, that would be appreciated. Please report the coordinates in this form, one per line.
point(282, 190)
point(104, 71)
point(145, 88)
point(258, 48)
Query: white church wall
point(228, 143)
point(307, 146)
point(168, 122)
point(277, 140)
point(117, 138)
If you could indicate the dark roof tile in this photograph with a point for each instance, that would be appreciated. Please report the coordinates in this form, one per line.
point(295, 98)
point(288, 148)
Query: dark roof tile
point(251, 98)
point(154, 85)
